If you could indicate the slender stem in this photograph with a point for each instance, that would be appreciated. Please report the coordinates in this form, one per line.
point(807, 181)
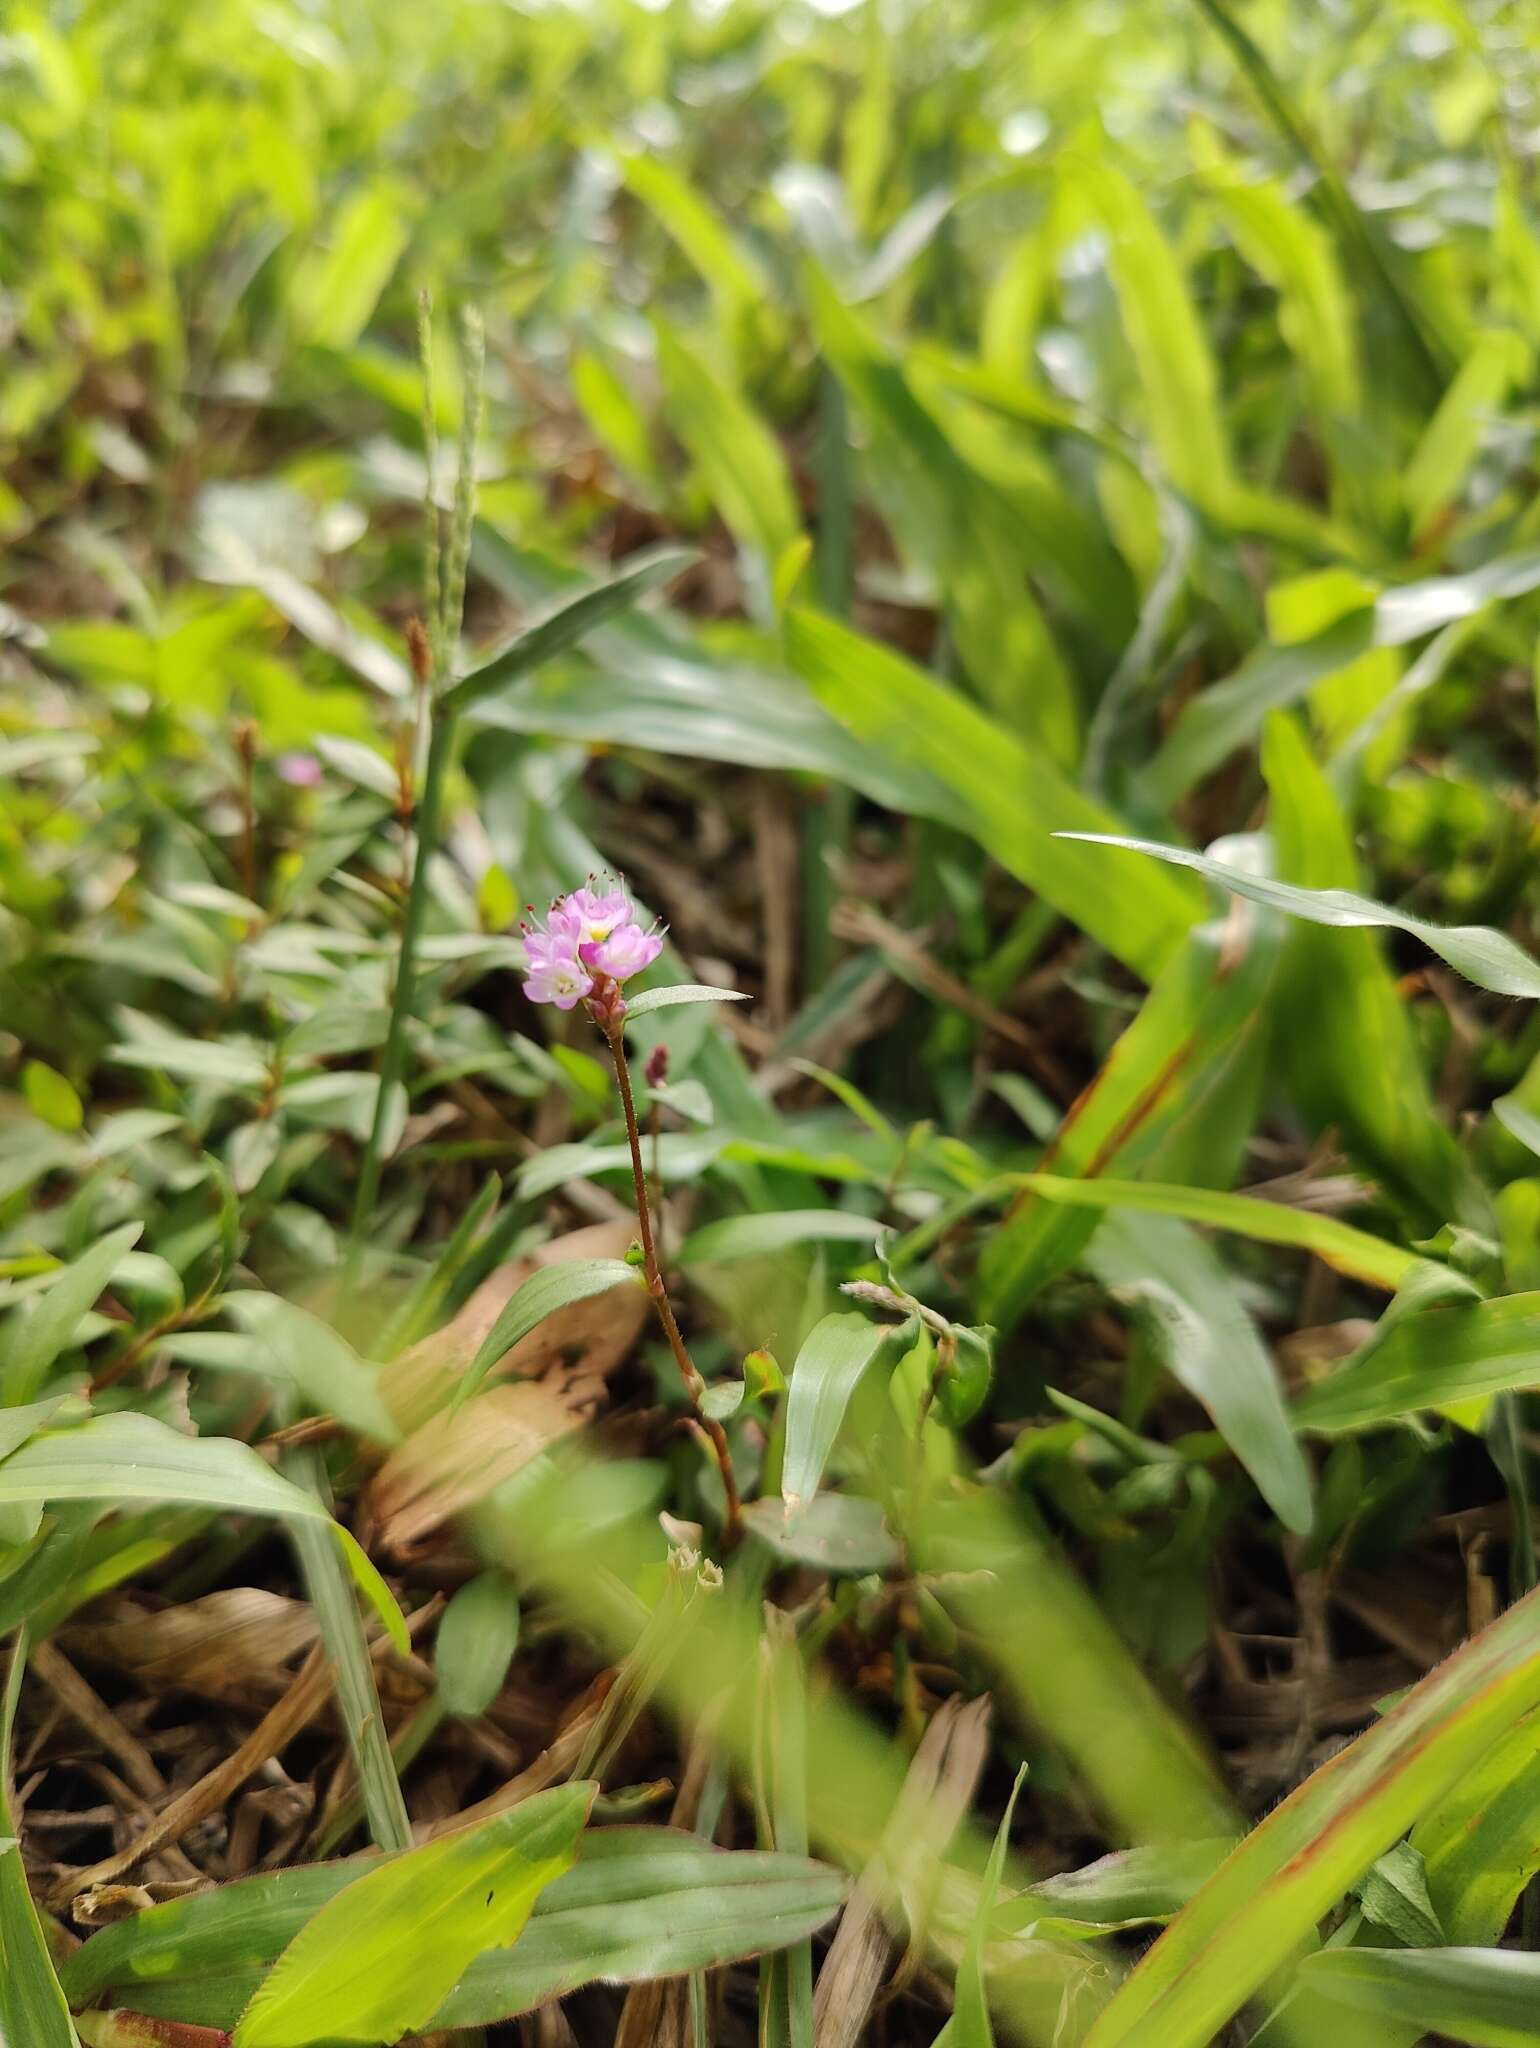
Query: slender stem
point(393, 1059)
point(695, 1386)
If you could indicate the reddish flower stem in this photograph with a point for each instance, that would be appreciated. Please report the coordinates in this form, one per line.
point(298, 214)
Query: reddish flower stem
point(695, 1386)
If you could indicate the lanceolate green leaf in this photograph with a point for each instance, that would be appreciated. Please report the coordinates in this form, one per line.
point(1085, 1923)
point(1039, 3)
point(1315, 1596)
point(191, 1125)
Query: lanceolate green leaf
point(1489, 958)
point(776, 1230)
point(1010, 798)
point(1487, 1997)
point(380, 1959)
point(135, 1458)
point(682, 992)
point(1458, 1353)
point(1337, 1244)
point(566, 622)
point(640, 1902)
point(829, 1367)
point(1209, 1343)
point(1267, 1897)
point(553, 1287)
point(33, 1339)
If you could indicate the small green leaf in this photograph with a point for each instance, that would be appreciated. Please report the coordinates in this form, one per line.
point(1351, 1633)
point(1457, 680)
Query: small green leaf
point(553, 1287)
point(379, 1960)
point(969, 2025)
point(1394, 1895)
point(1210, 1345)
point(685, 992)
point(476, 1641)
point(49, 1096)
point(829, 1367)
point(776, 1230)
point(35, 1336)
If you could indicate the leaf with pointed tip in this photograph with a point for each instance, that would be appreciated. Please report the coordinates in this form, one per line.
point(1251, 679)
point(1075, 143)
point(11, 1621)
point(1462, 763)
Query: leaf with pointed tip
point(382, 1956)
point(683, 992)
point(1489, 958)
point(1267, 1896)
point(1489, 1998)
point(833, 1359)
point(544, 1292)
point(569, 618)
point(135, 1458)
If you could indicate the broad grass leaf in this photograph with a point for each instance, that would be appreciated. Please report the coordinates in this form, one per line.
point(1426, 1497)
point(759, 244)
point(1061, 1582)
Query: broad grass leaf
point(833, 1359)
point(738, 459)
point(34, 1337)
point(1064, 1667)
point(1462, 1352)
point(130, 1457)
point(566, 621)
point(337, 285)
point(544, 1292)
point(1498, 361)
point(639, 1903)
point(1268, 1895)
point(299, 1350)
point(380, 1958)
point(1353, 1252)
point(1170, 347)
point(1165, 1089)
point(1488, 958)
point(1210, 1345)
point(1009, 797)
point(654, 685)
point(1487, 1997)
point(1480, 1846)
point(951, 517)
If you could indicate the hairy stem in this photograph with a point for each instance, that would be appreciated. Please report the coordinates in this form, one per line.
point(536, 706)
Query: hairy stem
point(695, 1386)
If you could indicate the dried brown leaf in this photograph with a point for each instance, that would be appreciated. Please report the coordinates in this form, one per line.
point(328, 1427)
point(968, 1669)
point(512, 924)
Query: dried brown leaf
point(459, 1456)
point(596, 1333)
point(214, 1646)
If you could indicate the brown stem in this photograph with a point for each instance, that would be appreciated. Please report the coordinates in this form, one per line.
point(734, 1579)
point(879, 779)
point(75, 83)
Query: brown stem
point(695, 1386)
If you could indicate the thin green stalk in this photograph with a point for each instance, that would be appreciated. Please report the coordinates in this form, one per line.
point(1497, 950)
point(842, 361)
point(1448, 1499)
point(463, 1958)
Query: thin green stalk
point(828, 817)
point(442, 629)
point(432, 579)
point(331, 1594)
point(393, 1059)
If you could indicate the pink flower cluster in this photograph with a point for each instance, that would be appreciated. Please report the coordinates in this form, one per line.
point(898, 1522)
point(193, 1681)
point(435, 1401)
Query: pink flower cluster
point(591, 938)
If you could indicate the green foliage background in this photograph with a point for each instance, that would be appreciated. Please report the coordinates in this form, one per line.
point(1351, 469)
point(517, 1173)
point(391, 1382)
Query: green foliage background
point(1108, 420)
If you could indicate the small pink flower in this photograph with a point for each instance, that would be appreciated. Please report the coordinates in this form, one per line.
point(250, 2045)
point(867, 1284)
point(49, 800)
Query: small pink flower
point(301, 771)
point(626, 951)
point(592, 914)
point(556, 975)
point(590, 943)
